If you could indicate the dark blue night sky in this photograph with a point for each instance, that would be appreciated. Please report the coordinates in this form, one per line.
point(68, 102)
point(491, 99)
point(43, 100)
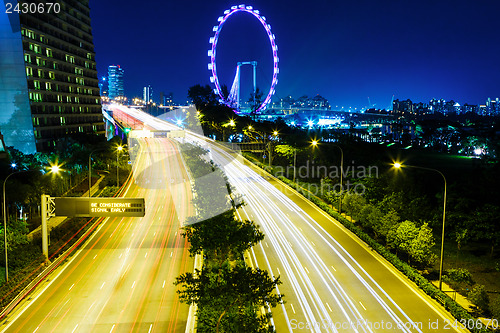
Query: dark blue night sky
point(346, 51)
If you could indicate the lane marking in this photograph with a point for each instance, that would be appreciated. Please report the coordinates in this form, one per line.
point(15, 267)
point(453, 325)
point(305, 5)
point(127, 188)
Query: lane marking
point(36, 329)
point(313, 244)
point(74, 329)
point(267, 244)
point(171, 254)
point(146, 255)
point(94, 257)
point(292, 308)
point(103, 284)
point(333, 268)
point(133, 284)
point(71, 286)
point(112, 328)
point(306, 269)
point(120, 256)
point(163, 284)
point(278, 270)
point(150, 328)
point(329, 307)
point(362, 305)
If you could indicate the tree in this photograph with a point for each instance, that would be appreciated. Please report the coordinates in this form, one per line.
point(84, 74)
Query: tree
point(353, 203)
point(486, 224)
point(421, 246)
point(402, 235)
point(225, 296)
point(387, 222)
point(222, 237)
point(202, 96)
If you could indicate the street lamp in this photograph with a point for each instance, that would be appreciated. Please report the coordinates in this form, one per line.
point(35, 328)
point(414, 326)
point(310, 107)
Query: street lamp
point(118, 149)
point(399, 166)
point(5, 221)
point(341, 176)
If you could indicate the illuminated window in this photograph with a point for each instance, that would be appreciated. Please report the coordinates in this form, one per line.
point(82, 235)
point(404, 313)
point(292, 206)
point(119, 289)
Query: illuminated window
point(40, 73)
point(48, 52)
point(37, 48)
point(68, 99)
point(29, 34)
point(87, 64)
point(48, 86)
point(29, 71)
point(40, 62)
point(52, 75)
point(89, 56)
point(37, 84)
point(27, 58)
point(59, 99)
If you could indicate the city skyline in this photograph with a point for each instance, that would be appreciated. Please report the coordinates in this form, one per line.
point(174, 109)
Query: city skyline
point(345, 52)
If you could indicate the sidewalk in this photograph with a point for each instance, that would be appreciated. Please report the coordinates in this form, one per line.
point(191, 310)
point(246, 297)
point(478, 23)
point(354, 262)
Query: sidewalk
point(454, 295)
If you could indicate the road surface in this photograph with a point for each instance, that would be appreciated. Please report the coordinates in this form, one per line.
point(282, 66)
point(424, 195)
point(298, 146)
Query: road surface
point(122, 279)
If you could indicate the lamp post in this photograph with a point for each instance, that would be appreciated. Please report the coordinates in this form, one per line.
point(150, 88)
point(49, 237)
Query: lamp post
point(398, 166)
point(118, 149)
point(341, 176)
point(294, 163)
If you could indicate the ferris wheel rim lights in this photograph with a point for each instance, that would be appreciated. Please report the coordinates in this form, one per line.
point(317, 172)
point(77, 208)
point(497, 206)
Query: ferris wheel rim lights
point(213, 51)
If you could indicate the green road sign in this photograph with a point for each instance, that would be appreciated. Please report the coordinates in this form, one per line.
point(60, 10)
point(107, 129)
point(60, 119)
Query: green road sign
point(97, 207)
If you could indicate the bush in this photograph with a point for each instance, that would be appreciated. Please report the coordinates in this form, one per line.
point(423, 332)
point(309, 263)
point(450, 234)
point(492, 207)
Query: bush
point(458, 275)
point(479, 297)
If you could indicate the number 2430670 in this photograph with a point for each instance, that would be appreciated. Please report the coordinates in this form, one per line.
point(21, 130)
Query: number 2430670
point(33, 8)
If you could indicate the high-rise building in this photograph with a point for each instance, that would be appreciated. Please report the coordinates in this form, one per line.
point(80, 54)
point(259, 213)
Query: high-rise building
point(147, 94)
point(115, 82)
point(48, 77)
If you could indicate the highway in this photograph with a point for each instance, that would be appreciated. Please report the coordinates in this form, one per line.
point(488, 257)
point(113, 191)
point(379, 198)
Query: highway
point(122, 278)
point(332, 281)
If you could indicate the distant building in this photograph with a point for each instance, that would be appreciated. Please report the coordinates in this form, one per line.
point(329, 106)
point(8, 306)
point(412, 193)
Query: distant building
point(403, 108)
point(166, 100)
point(492, 106)
point(115, 82)
point(317, 102)
point(49, 87)
point(147, 94)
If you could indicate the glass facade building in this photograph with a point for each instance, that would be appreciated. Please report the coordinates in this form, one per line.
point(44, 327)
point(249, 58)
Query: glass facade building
point(48, 78)
point(115, 82)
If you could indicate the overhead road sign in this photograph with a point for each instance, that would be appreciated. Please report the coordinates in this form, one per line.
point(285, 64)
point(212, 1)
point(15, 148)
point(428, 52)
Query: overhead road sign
point(97, 207)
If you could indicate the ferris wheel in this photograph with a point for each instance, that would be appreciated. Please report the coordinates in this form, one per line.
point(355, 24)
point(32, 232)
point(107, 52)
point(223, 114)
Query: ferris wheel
point(213, 51)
